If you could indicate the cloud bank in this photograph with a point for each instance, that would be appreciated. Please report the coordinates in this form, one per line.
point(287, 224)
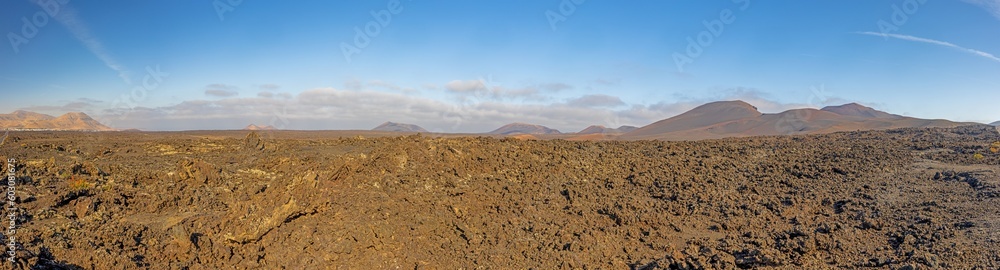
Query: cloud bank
point(332, 108)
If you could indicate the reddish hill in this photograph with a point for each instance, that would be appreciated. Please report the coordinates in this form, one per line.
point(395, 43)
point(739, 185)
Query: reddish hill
point(69, 121)
point(739, 119)
point(522, 128)
point(700, 117)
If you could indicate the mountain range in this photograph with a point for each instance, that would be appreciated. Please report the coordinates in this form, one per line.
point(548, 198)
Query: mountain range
point(70, 121)
point(997, 123)
point(709, 121)
point(739, 119)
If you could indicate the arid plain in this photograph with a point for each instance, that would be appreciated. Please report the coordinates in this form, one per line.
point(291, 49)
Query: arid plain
point(722, 186)
point(903, 198)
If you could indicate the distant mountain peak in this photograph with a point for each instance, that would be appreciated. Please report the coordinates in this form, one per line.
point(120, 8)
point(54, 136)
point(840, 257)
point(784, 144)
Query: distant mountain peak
point(703, 116)
point(600, 129)
point(523, 128)
point(256, 127)
point(399, 127)
point(997, 123)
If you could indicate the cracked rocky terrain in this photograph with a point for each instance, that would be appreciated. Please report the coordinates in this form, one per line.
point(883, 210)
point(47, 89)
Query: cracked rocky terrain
point(895, 199)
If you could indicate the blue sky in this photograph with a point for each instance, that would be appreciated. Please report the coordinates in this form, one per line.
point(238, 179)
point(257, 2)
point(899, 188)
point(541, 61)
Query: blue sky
point(471, 66)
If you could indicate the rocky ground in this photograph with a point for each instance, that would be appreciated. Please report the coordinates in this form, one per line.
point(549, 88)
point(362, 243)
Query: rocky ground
point(897, 199)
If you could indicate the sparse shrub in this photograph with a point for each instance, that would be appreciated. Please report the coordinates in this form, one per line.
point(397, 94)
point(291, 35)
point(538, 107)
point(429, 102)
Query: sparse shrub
point(78, 183)
point(995, 147)
point(978, 156)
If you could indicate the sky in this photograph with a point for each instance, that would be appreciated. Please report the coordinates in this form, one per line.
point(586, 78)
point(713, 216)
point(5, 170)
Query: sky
point(472, 66)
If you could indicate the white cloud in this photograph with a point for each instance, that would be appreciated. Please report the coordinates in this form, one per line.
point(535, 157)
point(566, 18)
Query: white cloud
point(935, 42)
point(330, 108)
point(483, 90)
point(390, 86)
point(384, 84)
point(487, 89)
point(269, 87)
point(221, 90)
point(338, 109)
point(555, 86)
point(465, 86)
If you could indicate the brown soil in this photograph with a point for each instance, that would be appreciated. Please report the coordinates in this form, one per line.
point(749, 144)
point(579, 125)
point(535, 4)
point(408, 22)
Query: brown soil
point(897, 199)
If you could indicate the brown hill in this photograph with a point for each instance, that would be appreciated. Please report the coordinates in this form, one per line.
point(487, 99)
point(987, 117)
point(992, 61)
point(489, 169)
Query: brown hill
point(701, 117)
point(739, 119)
point(69, 121)
point(256, 127)
point(399, 127)
point(599, 129)
point(522, 128)
point(854, 109)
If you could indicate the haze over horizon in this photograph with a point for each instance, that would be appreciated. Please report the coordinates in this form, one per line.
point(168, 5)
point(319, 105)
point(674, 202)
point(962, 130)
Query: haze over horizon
point(451, 66)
